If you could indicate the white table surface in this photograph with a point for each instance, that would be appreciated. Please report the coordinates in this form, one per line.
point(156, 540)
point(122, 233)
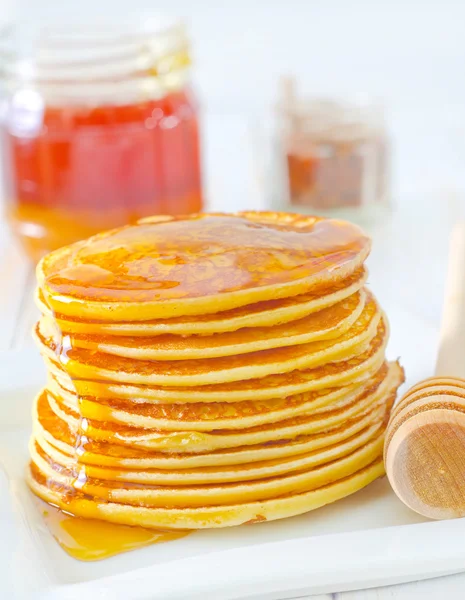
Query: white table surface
point(408, 261)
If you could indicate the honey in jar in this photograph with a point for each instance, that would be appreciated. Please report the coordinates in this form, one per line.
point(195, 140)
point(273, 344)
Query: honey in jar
point(99, 127)
point(335, 156)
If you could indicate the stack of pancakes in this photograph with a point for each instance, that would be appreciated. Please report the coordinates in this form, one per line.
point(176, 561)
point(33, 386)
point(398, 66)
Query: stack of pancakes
point(209, 371)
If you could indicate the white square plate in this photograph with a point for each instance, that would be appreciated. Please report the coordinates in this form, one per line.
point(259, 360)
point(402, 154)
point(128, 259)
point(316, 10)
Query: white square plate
point(368, 539)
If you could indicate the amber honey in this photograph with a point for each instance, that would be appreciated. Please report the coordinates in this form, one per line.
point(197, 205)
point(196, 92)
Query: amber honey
point(141, 438)
point(91, 539)
point(192, 257)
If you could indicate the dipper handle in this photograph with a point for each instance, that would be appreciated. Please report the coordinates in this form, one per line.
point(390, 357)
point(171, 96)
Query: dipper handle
point(451, 356)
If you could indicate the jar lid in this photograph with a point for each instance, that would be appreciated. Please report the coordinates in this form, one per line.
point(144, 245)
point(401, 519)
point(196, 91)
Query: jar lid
point(329, 119)
point(99, 59)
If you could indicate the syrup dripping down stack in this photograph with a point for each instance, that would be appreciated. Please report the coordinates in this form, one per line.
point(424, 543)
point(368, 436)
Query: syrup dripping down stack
point(210, 371)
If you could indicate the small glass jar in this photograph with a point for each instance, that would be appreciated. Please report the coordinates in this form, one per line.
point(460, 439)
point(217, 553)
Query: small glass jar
point(334, 156)
point(100, 128)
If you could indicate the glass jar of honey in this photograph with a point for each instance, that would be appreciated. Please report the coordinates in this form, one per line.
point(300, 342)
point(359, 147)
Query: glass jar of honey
point(334, 156)
point(99, 126)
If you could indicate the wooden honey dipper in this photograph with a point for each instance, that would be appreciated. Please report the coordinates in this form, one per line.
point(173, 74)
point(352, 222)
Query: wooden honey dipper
point(424, 450)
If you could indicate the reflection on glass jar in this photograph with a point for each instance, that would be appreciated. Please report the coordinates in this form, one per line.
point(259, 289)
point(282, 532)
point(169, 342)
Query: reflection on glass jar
point(100, 128)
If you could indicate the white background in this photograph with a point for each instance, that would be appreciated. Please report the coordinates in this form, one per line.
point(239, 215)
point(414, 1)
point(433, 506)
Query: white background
point(410, 53)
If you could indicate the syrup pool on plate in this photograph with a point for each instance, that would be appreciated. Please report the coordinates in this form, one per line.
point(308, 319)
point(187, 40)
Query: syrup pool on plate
point(90, 539)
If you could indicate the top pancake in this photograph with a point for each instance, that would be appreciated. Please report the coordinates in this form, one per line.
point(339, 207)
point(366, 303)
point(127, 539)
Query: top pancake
point(167, 267)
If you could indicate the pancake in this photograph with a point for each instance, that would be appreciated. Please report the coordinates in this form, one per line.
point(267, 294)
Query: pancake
point(206, 417)
point(214, 494)
point(81, 363)
point(260, 314)
point(196, 415)
point(213, 474)
point(285, 384)
point(366, 401)
point(205, 516)
point(329, 323)
point(176, 266)
point(57, 436)
point(201, 441)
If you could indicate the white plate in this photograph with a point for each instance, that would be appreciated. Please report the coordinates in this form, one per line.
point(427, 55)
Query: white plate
point(368, 539)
